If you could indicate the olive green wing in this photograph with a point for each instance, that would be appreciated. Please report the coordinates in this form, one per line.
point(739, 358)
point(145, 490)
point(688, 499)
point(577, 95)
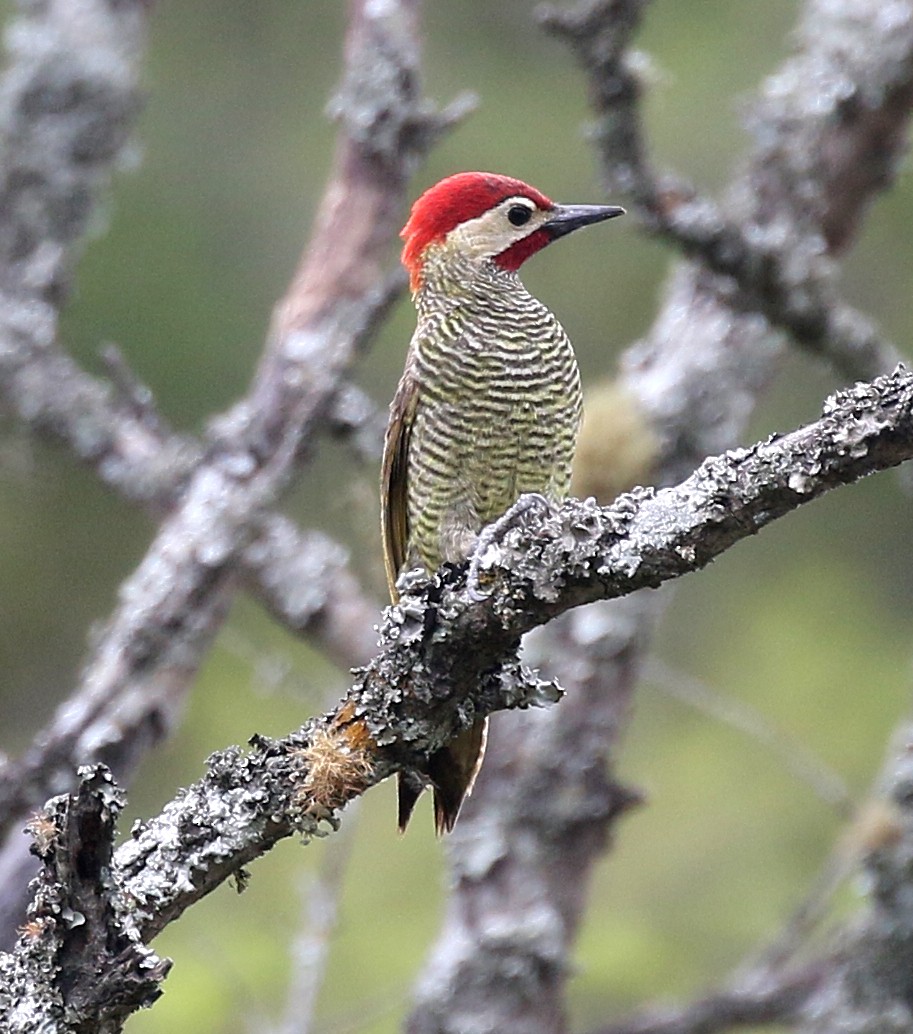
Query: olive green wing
point(452, 769)
point(394, 478)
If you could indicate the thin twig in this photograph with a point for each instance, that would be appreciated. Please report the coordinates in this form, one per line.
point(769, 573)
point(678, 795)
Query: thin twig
point(789, 750)
point(775, 999)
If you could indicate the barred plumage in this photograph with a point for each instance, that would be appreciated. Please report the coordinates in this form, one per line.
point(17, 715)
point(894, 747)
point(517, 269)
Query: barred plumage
point(489, 404)
point(500, 406)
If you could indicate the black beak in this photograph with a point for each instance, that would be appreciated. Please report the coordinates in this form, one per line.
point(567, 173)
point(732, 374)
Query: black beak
point(565, 219)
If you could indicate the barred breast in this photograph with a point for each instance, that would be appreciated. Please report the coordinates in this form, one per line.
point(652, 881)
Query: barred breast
point(498, 414)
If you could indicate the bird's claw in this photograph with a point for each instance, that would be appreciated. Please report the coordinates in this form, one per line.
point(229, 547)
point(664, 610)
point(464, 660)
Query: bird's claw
point(492, 534)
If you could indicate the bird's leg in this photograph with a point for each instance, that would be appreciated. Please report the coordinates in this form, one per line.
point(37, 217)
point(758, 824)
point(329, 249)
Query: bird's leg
point(490, 536)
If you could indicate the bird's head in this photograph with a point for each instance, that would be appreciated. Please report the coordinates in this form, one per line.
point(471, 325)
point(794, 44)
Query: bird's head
point(487, 217)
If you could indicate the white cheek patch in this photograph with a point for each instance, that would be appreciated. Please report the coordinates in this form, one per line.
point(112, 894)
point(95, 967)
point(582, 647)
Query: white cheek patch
point(490, 234)
point(479, 238)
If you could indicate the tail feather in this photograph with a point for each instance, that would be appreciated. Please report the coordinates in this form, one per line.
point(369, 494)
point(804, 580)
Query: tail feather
point(409, 788)
point(452, 772)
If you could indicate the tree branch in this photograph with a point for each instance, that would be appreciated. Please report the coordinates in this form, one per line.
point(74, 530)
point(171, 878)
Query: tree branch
point(864, 982)
point(773, 998)
point(685, 391)
point(217, 501)
point(870, 984)
point(446, 658)
point(79, 965)
point(778, 260)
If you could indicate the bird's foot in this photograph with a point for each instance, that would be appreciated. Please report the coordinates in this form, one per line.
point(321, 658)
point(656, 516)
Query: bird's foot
point(492, 534)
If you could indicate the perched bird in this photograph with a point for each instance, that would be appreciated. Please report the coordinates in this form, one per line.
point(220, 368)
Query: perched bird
point(488, 407)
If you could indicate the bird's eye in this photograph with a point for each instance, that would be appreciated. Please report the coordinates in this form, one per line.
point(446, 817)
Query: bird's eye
point(519, 215)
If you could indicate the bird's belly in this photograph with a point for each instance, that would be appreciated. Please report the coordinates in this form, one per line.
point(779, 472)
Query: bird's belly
point(518, 456)
point(473, 458)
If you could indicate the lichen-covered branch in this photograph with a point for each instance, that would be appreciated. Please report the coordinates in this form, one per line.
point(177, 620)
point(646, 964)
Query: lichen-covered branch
point(79, 965)
point(68, 104)
point(446, 658)
point(593, 553)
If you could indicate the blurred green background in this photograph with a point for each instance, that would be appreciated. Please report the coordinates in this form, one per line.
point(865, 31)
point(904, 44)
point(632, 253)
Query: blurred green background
point(810, 622)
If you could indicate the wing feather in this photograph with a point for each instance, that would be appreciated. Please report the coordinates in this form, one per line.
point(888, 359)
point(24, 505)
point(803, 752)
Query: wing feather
point(394, 479)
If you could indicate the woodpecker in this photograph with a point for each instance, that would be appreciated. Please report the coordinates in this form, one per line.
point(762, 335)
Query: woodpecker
point(488, 406)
